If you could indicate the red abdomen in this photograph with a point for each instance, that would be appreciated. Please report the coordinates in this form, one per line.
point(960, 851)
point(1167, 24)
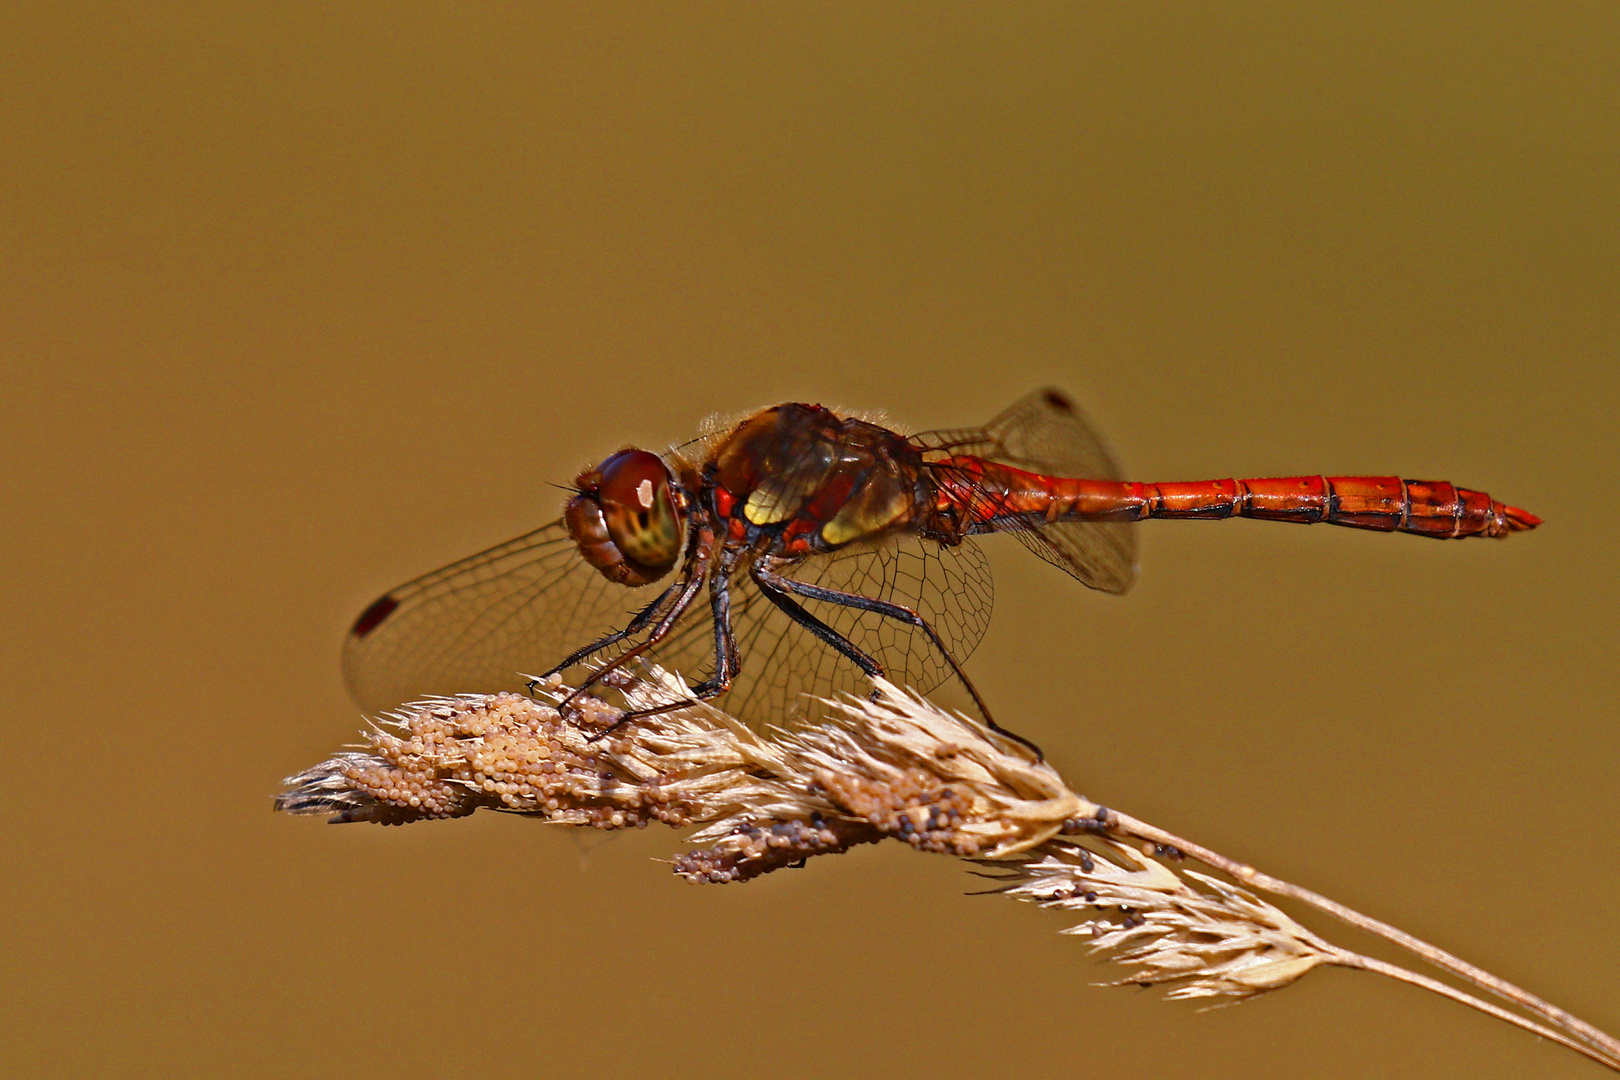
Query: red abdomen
point(1434, 508)
point(1437, 508)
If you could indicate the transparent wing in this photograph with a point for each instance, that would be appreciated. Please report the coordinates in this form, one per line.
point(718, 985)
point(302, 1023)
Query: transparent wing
point(473, 626)
point(783, 665)
point(481, 624)
point(1047, 433)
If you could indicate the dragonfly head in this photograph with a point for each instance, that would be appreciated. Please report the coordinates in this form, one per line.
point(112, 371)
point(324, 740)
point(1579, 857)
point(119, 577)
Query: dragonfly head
point(626, 517)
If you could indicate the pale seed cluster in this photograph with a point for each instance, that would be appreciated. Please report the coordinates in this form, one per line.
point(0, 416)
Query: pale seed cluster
point(750, 850)
point(915, 809)
point(913, 806)
point(767, 802)
point(450, 757)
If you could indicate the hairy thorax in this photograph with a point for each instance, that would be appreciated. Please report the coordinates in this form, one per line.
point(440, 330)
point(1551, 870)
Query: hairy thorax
point(799, 478)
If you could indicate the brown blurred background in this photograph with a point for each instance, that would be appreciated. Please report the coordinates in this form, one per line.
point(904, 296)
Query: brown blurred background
point(296, 304)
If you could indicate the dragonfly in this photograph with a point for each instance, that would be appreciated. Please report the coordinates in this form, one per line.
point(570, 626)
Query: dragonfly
point(800, 553)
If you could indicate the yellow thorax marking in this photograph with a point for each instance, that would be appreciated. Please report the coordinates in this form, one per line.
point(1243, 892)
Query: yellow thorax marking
point(874, 506)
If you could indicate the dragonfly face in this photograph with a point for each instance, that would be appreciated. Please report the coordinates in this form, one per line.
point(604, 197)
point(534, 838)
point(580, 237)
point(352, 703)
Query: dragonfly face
point(627, 518)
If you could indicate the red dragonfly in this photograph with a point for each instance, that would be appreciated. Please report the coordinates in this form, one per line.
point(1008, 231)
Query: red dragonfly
point(801, 552)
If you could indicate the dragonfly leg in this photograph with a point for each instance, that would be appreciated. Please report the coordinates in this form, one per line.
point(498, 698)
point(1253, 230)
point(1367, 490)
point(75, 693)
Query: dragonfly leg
point(891, 611)
point(725, 657)
point(688, 592)
point(726, 660)
point(725, 646)
point(632, 628)
point(776, 590)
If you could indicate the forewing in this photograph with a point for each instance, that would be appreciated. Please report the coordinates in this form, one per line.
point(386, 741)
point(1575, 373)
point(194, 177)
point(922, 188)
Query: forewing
point(784, 665)
point(1045, 432)
point(475, 625)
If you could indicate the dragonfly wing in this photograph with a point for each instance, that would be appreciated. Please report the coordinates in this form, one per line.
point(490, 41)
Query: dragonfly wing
point(1102, 554)
point(475, 625)
point(784, 665)
point(1045, 432)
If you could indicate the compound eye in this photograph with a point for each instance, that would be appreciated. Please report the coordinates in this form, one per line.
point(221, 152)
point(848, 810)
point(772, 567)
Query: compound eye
point(639, 510)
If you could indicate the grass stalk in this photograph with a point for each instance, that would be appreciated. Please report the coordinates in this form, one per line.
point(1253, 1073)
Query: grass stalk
point(894, 768)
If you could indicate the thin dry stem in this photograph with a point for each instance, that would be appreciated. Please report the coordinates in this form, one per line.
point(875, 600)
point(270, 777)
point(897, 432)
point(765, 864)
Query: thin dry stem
point(893, 768)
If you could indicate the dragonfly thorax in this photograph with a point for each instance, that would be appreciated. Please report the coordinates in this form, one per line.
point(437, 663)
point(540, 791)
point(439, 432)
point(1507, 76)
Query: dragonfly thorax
point(805, 479)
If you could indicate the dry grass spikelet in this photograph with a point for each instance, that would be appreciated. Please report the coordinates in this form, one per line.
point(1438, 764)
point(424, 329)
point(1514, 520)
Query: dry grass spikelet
point(1207, 937)
point(894, 767)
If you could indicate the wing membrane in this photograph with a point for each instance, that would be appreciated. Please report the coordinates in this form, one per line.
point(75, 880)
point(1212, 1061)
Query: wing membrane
point(478, 624)
point(474, 625)
point(1047, 433)
point(782, 663)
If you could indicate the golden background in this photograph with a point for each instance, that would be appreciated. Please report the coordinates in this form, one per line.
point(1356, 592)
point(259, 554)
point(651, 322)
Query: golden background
point(296, 303)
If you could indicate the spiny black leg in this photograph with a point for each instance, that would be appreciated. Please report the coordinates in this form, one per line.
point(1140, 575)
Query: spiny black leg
point(699, 549)
point(901, 614)
point(777, 595)
point(725, 644)
point(725, 656)
point(635, 626)
point(666, 623)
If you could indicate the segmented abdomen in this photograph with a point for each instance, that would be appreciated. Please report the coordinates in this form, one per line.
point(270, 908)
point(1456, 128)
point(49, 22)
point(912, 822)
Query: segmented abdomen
point(1435, 508)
